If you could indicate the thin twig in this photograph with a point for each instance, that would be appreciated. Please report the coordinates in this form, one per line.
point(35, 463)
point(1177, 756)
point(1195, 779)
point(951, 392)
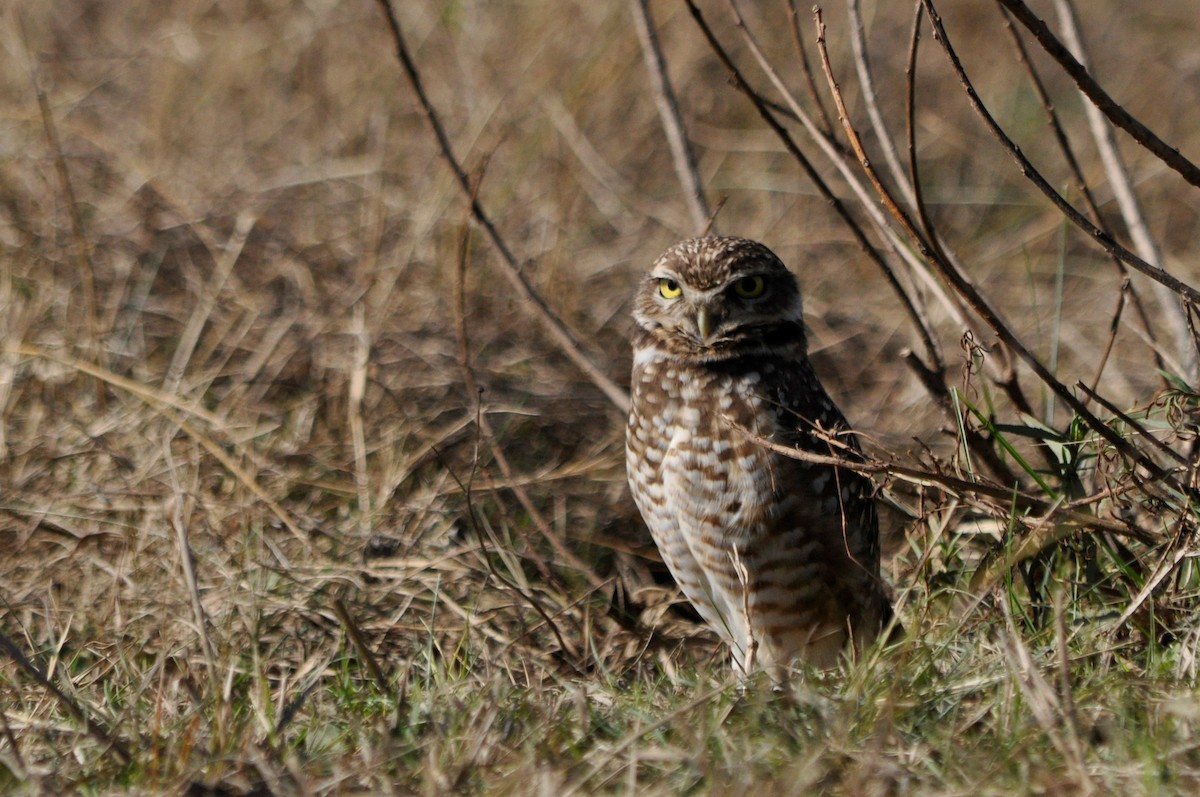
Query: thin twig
point(557, 328)
point(1056, 127)
point(924, 327)
point(866, 83)
point(810, 81)
point(1088, 85)
point(1132, 424)
point(485, 427)
point(1012, 498)
point(668, 113)
point(914, 169)
point(1127, 201)
point(957, 279)
point(1003, 372)
point(1000, 365)
point(481, 537)
point(1113, 327)
point(94, 728)
point(360, 645)
point(1103, 239)
point(1089, 200)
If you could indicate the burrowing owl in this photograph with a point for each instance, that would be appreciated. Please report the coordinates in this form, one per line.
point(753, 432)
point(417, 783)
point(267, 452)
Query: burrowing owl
point(779, 555)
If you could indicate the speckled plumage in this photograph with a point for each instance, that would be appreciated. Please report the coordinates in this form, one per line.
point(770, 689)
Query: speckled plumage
point(779, 556)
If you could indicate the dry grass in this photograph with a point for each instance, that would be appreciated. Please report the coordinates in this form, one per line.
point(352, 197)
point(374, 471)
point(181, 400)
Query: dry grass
point(259, 535)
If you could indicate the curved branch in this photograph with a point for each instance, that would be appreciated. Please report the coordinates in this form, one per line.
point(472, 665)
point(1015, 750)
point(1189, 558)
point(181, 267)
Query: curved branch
point(556, 326)
point(1027, 169)
point(1088, 85)
point(956, 278)
point(668, 112)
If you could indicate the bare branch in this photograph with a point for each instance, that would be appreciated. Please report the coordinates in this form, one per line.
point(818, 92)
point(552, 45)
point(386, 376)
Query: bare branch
point(558, 329)
point(1089, 201)
point(1127, 201)
point(810, 82)
point(1027, 169)
point(94, 728)
point(668, 113)
point(862, 65)
point(1088, 85)
point(915, 311)
point(1009, 497)
point(1132, 424)
point(957, 279)
point(360, 645)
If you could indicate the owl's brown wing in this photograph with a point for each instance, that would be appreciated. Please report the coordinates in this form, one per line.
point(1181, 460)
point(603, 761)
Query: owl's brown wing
point(836, 504)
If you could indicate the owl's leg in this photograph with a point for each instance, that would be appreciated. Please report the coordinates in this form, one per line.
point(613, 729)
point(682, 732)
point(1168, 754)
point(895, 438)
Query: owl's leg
point(748, 641)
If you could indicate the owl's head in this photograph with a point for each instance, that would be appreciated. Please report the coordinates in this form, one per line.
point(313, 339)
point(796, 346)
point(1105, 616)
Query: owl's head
point(714, 298)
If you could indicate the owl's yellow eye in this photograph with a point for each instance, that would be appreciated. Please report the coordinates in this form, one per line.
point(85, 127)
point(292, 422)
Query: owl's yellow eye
point(669, 288)
point(750, 287)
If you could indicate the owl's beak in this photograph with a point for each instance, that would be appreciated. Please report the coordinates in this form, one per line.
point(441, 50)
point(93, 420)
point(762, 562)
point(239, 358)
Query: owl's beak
point(705, 323)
